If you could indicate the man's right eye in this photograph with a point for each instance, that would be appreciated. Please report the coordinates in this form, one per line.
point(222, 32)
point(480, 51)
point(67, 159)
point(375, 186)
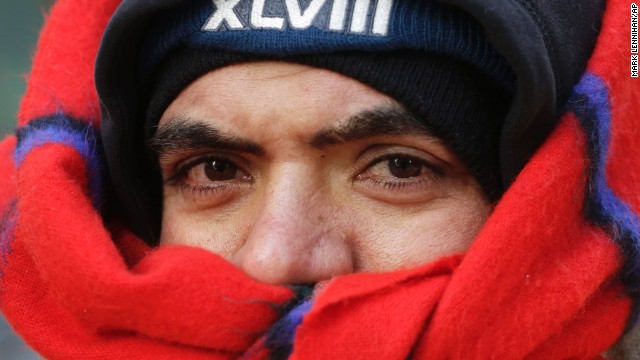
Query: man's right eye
point(210, 179)
point(209, 170)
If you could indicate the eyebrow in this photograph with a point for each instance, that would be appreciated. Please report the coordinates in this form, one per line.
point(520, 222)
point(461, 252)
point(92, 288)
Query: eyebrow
point(180, 134)
point(389, 120)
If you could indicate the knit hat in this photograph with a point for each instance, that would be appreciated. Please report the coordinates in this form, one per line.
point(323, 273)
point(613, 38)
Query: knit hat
point(431, 58)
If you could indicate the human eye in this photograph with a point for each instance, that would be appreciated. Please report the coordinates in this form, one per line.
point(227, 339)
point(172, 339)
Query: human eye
point(210, 176)
point(401, 176)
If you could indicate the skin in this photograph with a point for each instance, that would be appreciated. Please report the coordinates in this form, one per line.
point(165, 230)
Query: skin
point(265, 165)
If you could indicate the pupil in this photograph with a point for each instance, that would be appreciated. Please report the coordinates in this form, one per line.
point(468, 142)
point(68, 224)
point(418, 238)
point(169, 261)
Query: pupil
point(404, 167)
point(218, 170)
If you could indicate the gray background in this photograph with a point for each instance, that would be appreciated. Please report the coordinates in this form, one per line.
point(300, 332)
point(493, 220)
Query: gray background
point(20, 22)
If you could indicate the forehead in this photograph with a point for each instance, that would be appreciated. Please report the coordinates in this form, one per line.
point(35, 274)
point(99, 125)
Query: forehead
point(257, 92)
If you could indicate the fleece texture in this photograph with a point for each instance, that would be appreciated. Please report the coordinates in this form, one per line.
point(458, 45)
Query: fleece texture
point(552, 275)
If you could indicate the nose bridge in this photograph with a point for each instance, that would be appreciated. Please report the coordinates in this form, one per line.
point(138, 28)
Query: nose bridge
point(290, 194)
point(295, 238)
point(290, 211)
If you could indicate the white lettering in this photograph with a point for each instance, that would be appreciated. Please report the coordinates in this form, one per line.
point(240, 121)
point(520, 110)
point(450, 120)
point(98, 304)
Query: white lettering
point(300, 19)
point(360, 16)
point(382, 17)
point(634, 28)
point(634, 66)
point(368, 16)
point(258, 20)
point(338, 15)
point(223, 14)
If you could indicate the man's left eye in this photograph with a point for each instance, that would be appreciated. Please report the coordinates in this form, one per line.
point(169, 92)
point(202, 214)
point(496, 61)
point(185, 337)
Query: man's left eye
point(397, 166)
point(405, 167)
point(220, 170)
point(401, 178)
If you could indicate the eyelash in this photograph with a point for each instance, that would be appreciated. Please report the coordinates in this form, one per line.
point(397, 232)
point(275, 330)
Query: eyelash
point(392, 156)
point(196, 192)
point(392, 185)
point(201, 190)
point(434, 172)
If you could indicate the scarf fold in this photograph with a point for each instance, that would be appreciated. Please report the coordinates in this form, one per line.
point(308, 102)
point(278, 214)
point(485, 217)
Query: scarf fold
point(543, 280)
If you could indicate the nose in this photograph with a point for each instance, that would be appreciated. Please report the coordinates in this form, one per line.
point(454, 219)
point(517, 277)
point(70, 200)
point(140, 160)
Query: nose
point(297, 238)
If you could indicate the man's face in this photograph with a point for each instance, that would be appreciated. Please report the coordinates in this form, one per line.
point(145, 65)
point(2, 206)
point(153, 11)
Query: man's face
point(297, 174)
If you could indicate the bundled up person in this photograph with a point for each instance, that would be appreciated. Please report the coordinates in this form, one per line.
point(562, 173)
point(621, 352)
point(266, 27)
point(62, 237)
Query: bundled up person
point(318, 179)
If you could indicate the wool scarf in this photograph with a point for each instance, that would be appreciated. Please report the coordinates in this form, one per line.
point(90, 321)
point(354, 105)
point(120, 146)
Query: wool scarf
point(554, 273)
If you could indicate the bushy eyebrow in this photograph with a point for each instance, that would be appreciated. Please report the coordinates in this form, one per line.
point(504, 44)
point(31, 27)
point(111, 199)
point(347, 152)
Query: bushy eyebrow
point(181, 134)
point(390, 120)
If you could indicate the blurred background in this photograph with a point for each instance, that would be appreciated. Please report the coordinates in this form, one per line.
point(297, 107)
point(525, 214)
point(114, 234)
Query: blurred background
point(20, 23)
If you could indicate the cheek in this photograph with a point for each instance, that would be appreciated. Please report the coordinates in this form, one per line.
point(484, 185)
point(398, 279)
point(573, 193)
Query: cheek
point(376, 237)
point(221, 231)
point(407, 239)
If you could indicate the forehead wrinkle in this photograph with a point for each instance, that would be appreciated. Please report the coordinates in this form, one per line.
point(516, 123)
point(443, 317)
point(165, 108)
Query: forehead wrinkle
point(370, 123)
point(180, 133)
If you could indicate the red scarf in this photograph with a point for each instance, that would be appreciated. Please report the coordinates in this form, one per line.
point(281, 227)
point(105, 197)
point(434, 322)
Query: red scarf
point(541, 281)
